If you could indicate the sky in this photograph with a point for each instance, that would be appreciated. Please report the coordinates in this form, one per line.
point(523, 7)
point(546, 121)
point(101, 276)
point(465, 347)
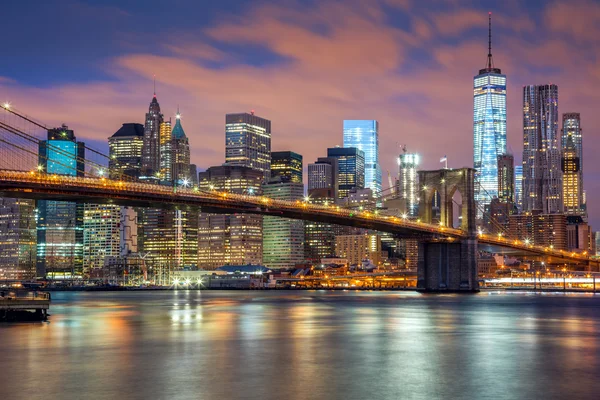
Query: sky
point(305, 65)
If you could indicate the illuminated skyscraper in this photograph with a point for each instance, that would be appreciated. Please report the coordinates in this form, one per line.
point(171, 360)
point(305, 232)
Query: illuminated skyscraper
point(408, 163)
point(165, 153)
point(519, 187)
point(180, 155)
point(17, 238)
point(351, 169)
point(100, 234)
point(248, 142)
point(489, 127)
point(283, 238)
point(151, 148)
point(572, 164)
point(287, 165)
point(230, 239)
point(506, 178)
point(125, 148)
point(364, 135)
point(60, 223)
point(323, 174)
point(542, 175)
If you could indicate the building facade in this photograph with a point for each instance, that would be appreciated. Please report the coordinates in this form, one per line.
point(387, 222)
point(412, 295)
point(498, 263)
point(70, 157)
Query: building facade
point(519, 187)
point(351, 169)
point(248, 142)
point(151, 142)
point(408, 183)
point(17, 238)
point(548, 230)
point(364, 135)
point(125, 151)
point(230, 239)
point(286, 165)
point(489, 128)
point(506, 178)
point(542, 175)
point(358, 248)
point(283, 238)
point(60, 223)
point(572, 165)
point(101, 235)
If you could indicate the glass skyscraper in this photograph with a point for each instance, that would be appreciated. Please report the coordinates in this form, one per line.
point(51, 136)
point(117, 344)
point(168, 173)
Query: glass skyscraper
point(519, 187)
point(489, 128)
point(351, 169)
point(287, 165)
point(572, 164)
point(408, 183)
point(248, 142)
point(542, 175)
point(60, 223)
point(364, 135)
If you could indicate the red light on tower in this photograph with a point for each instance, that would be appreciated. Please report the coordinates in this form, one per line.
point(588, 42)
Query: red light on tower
point(252, 112)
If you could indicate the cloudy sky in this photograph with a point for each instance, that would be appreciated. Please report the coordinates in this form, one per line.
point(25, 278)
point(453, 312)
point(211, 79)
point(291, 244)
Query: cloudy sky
point(305, 65)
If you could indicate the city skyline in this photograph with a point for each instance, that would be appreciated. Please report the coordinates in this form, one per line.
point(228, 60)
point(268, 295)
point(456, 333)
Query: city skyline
point(398, 105)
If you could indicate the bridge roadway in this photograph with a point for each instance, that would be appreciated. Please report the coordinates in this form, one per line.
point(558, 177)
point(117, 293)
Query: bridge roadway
point(35, 185)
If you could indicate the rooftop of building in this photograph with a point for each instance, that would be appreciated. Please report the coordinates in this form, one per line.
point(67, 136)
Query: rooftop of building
point(245, 269)
point(130, 129)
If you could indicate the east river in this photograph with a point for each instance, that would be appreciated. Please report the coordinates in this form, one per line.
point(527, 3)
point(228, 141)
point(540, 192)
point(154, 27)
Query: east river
point(305, 345)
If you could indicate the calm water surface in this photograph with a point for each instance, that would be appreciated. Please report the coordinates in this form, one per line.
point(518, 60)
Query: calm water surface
point(305, 345)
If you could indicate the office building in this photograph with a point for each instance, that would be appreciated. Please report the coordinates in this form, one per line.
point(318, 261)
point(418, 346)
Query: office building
point(230, 239)
point(60, 223)
point(548, 230)
point(151, 147)
point(101, 235)
point(248, 142)
point(323, 174)
point(408, 184)
point(580, 237)
point(572, 165)
point(170, 237)
point(359, 248)
point(542, 175)
point(17, 238)
point(489, 127)
point(351, 169)
point(125, 151)
point(506, 178)
point(364, 135)
point(166, 154)
point(519, 187)
point(287, 165)
point(283, 238)
point(319, 237)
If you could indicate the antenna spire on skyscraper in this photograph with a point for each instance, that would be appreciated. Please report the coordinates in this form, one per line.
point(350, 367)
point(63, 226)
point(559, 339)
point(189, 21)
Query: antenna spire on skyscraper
point(490, 62)
point(154, 77)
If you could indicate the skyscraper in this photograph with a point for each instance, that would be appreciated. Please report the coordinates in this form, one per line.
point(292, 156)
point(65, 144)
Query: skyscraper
point(180, 155)
point(171, 236)
point(125, 151)
point(323, 174)
point(230, 239)
point(283, 238)
point(351, 169)
point(165, 153)
point(248, 142)
point(151, 148)
point(17, 238)
point(519, 187)
point(409, 182)
point(542, 175)
point(506, 178)
point(100, 234)
point(489, 127)
point(364, 135)
point(60, 223)
point(287, 165)
point(572, 164)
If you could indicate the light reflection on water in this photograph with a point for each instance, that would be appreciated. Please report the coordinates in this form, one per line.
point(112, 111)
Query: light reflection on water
point(305, 345)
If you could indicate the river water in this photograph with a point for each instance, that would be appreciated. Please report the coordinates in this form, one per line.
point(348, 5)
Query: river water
point(305, 345)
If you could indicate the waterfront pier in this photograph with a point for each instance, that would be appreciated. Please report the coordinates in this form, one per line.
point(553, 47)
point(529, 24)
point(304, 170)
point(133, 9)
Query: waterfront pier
point(24, 305)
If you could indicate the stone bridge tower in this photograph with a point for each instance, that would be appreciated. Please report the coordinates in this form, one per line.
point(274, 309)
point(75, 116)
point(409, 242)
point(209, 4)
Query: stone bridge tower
point(448, 265)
